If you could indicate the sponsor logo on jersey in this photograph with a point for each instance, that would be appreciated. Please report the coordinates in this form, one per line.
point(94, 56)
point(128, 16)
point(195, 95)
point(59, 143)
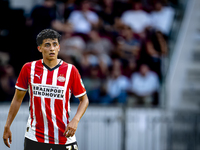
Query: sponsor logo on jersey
point(48, 91)
point(61, 78)
point(37, 76)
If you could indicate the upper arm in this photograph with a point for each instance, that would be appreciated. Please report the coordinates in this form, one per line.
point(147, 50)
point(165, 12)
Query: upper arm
point(77, 86)
point(22, 81)
point(82, 98)
point(19, 95)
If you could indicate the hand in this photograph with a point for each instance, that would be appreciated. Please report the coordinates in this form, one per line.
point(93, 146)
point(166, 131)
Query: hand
point(7, 135)
point(71, 128)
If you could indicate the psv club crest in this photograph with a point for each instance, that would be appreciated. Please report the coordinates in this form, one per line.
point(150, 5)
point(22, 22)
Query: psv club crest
point(61, 78)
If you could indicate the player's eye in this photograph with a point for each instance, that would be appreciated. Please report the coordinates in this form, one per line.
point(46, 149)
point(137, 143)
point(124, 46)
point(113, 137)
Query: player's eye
point(47, 45)
point(55, 44)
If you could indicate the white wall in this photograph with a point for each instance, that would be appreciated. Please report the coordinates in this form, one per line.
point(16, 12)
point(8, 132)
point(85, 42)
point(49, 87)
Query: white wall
point(101, 128)
point(181, 62)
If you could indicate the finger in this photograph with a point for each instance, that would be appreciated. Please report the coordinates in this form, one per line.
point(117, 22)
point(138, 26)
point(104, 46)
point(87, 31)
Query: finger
point(10, 139)
point(70, 133)
point(66, 130)
point(6, 142)
point(67, 133)
point(73, 133)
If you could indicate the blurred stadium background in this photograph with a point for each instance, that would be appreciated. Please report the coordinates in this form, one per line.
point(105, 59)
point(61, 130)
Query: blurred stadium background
point(154, 108)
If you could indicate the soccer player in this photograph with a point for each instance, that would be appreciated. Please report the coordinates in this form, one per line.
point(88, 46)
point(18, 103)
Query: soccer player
point(50, 82)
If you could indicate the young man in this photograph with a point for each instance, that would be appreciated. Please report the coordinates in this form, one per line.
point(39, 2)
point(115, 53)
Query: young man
point(50, 82)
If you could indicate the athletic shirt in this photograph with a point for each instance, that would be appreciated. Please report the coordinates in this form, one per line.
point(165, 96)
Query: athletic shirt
point(50, 91)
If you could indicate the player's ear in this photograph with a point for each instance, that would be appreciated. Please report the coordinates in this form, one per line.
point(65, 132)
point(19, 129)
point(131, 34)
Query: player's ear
point(39, 49)
point(59, 48)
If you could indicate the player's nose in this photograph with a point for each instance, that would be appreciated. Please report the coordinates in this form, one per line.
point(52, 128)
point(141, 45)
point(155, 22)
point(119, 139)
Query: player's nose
point(52, 48)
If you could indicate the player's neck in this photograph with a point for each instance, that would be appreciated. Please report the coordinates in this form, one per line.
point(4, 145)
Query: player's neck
point(51, 63)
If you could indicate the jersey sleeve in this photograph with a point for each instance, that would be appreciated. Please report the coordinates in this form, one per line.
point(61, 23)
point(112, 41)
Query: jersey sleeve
point(22, 81)
point(77, 86)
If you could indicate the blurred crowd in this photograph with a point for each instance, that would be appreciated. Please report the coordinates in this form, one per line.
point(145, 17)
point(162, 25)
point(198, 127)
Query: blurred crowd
point(117, 45)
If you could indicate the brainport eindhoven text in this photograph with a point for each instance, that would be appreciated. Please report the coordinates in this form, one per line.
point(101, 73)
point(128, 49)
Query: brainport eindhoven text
point(51, 92)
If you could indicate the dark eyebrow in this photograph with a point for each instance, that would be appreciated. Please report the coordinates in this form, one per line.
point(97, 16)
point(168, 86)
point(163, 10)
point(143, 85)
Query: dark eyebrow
point(55, 42)
point(49, 43)
point(46, 43)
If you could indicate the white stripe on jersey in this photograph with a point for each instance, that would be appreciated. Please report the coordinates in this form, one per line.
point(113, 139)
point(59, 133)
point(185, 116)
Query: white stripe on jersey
point(44, 79)
point(53, 116)
point(32, 70)
point(70, 93)
point(32, 79)
point(66, 83)
point(54, 83)
point(55, 74)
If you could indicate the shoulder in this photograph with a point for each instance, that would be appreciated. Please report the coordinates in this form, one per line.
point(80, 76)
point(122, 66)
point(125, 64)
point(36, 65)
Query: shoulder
point(29, 64)
point(75, 12)
point(135, 75)
point(153, 75)
point(127, 13)
point(92, 13)
point(68, 65)
point(65, 64)
point(122, 77)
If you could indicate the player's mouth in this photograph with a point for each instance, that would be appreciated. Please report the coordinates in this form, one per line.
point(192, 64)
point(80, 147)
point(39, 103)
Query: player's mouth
point(52, 54)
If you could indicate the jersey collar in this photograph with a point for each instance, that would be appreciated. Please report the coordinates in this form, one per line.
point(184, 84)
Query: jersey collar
point(51, 69)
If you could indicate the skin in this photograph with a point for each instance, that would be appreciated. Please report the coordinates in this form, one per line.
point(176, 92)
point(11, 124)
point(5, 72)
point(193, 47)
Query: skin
point(49, 49)
point(14, 107)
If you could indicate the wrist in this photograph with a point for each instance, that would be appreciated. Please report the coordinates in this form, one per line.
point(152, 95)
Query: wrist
point(6, 127)
point(76, 118)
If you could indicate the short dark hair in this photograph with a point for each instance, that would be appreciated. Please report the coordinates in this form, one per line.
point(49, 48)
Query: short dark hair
point(47, 34)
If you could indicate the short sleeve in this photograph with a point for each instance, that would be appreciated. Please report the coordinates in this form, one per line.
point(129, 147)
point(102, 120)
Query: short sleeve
point(77, 86)
point(22, 81)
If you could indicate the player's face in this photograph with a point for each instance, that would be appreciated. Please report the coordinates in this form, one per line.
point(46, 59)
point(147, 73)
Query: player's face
point(49, 49)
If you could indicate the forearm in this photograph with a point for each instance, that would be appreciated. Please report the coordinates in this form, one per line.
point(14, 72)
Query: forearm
point(84, 102)
point(72, 126)
point(14, 107)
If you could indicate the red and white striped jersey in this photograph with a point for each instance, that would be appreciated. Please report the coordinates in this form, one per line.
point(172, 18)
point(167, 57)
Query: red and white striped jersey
point(50, 91)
